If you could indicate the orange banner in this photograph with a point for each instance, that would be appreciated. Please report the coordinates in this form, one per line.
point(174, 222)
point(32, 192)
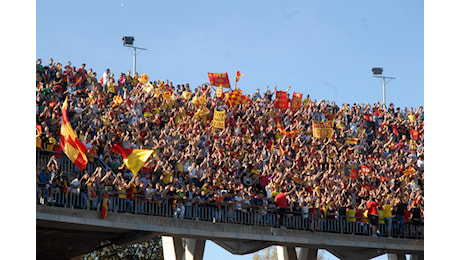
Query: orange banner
point(217, 79)
point(296, 100)
point(323, 129)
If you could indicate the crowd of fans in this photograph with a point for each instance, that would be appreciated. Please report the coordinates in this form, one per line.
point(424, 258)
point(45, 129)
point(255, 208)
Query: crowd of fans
point(249, 163)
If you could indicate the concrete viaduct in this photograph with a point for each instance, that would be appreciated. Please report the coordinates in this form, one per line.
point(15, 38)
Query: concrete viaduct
point(64, 233)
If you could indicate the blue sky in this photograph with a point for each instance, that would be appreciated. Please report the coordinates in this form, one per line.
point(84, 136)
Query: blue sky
point(326, 50)
point(323, 49)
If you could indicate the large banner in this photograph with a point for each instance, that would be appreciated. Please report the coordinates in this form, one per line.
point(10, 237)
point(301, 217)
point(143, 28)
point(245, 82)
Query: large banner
point(323, 129)
point(281, 100)
point(219, 119)
point(296, 100)
point(217, 79)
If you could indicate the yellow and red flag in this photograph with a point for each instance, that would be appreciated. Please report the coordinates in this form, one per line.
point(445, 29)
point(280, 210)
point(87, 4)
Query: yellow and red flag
point(238, 75)
point(296, 100)
point(71, 145)
point(144, 79)
point(168, 94)
point(187, 95)
point(291, 133)
point(236, 97)
point(134, 159)
point(220, 92)
point(148, 88)
point(117, 100)
point(217, 79)
point(409, 171)
point(351, 140)
point(199, 101)
point(323, 129)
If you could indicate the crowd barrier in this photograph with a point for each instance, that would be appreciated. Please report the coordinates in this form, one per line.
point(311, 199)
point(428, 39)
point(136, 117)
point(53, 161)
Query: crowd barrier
point(220, 213)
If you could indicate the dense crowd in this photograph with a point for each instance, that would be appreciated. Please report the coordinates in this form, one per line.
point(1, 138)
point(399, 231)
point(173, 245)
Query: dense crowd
point(249, 163)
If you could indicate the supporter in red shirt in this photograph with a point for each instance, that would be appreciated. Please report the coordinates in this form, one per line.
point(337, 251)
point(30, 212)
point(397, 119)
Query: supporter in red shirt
point(373, 215)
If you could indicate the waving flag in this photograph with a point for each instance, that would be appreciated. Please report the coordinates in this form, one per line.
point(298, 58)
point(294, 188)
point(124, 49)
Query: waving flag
point(199, 101)
point(351, 140)
point(71, 145)
point(238, 75)
point(220, 92)
point(236, 97)
point(117, 100)
point(38, 130)
point(217, 79)
point(366, 169)
point(297, 180)
point(187, 95)
point(134, 159)
point(291, 133)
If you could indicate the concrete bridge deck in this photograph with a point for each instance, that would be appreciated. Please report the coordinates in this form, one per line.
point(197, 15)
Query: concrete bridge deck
point(70, 232)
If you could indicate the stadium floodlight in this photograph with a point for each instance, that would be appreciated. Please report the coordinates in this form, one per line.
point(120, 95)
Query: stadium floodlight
point(128, 42)
point(377, 71)
point(378, 74)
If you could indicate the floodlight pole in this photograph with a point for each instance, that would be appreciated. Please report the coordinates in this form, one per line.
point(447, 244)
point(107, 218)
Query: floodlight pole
point(134, 55)
point(384, 78)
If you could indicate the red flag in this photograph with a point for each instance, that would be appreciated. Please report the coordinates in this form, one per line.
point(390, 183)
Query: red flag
point(105, 206)
point(297, 180)
point(354, 174)
point(38, 130)
point(281, 100)
point(217, 79)
point(366, 169)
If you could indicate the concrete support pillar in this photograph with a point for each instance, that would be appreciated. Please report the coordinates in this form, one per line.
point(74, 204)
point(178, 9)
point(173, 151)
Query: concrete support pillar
point(396, 257)
point(416, 257)
point(194, 249)
point(308, 254)
point(172, 248)
point(286, 253)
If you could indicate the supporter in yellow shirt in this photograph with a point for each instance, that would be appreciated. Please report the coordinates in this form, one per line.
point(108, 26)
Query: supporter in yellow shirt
point(388, 216)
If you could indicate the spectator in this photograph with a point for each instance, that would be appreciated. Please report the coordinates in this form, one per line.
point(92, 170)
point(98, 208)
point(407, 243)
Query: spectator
point(373, 216)
point(248, 156)
point(281, 204)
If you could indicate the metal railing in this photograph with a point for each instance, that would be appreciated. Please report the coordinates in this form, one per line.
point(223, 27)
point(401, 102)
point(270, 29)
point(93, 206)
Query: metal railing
point(65, 164)
point(226, 213)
